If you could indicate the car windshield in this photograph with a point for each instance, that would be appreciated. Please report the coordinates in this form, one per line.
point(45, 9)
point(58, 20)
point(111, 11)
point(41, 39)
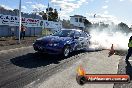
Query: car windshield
point(64, 33)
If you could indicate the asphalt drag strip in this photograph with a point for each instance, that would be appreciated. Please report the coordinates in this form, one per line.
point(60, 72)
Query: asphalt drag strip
point(93, 63)
point(22, 67)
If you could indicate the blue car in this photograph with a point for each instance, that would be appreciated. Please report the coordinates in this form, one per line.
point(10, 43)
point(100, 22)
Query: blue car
point(63, 42)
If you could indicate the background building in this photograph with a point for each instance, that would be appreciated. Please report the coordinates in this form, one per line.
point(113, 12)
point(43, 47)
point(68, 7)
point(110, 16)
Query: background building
point(9, 23)
point(78, 21)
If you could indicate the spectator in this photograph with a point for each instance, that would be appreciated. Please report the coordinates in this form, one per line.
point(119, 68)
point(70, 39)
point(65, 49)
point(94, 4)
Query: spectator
point(130, 49)
point(23, 29)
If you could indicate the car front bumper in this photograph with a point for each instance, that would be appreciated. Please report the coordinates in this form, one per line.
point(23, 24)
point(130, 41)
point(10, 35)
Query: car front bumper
point(47, 49)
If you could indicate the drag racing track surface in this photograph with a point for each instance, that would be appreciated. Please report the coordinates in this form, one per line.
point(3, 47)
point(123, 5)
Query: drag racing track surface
point(20, 67)
point(125, 68)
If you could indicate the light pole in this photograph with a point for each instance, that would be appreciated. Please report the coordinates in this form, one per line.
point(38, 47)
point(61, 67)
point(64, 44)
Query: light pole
point(47, 17)
point(59, 18)
point(48, 11)
point(19, 22)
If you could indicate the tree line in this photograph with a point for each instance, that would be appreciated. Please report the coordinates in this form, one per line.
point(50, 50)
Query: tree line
point(51, 13)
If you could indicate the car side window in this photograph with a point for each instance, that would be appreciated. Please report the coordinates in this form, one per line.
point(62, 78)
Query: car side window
point(83, 34)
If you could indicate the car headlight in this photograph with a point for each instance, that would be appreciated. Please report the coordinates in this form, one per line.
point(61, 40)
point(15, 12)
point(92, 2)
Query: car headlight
point(39, 39)
point(55, 44)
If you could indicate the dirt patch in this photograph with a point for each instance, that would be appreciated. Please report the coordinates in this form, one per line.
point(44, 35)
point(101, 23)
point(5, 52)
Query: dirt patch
point(10, 42)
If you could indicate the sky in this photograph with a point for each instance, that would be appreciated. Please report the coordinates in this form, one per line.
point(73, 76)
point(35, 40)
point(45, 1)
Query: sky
point(104, 10)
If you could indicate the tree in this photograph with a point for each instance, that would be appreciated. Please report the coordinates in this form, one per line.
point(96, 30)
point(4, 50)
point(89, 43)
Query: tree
point(50, 9)
point(16, 11)
point(55, 15)
point(66, 24)
point(44, 15)
point(52, 14)
point(123, 27)
point(2, 9)
point(87, 23)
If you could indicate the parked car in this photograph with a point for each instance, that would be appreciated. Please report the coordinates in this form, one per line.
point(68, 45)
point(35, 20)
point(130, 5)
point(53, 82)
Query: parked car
point(63, 42)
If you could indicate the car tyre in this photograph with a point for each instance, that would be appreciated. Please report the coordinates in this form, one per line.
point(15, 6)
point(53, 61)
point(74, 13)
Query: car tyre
point(66, 51)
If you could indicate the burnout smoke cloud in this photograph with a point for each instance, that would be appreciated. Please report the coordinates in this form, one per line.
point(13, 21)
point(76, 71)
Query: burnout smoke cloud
point(105, 38)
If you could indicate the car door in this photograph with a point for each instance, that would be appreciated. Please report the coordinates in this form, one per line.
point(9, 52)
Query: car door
point(78, 40)
point(85, 40)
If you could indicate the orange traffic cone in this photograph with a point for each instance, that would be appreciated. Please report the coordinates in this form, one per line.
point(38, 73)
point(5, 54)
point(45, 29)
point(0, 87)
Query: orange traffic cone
point(112, 51)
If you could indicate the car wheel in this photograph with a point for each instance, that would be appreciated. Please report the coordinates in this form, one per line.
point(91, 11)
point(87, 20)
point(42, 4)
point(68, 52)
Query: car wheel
point(66, 51)
point(37, 53)
point(86, 47)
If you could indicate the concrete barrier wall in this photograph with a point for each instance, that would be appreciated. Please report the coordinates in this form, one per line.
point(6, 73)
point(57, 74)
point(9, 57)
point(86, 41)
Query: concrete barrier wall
point(6, 30)
point(9, 30)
